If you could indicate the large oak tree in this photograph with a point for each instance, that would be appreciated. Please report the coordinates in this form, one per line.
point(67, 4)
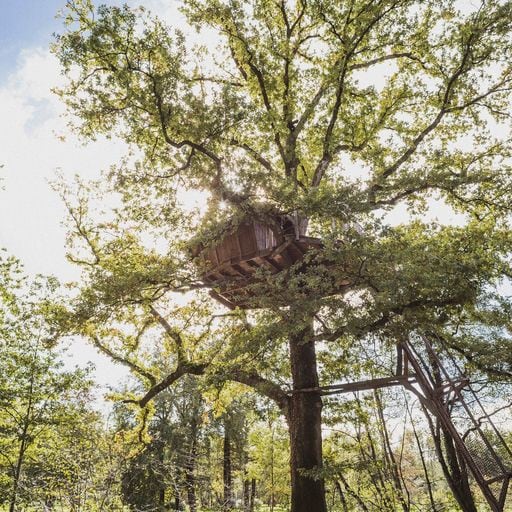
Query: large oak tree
point(339, 113)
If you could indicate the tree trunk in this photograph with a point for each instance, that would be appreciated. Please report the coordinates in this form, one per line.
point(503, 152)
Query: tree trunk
point(252, 500)
point(304, 418)
point(159, 447)
point(355, 496)
point(453, 466)
point(456, 474)
point(228, 477)
point(342, 496)
point(389, 457)
point(22, 449)
point(433, 504)
point(190, 479)
point(247, 494)
point(190, 468)
point(17, 473)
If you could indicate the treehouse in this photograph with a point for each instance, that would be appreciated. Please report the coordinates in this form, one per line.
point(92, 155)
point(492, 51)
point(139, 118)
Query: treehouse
point(244, 257)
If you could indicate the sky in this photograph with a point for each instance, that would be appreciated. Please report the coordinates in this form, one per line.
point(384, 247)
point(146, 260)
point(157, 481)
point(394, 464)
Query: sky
point(35, 144)
point(25, 24)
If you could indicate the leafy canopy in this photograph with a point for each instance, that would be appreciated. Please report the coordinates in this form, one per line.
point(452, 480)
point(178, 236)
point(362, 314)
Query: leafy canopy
point(339, 111)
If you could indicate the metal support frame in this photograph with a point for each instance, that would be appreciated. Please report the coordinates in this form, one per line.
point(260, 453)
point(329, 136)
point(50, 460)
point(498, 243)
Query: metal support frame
point(439, 395)
point(438, 398)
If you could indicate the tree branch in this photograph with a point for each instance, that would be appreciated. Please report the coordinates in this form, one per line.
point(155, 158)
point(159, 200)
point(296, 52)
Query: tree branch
point(172, 333)
point(384, 58)
point(120, 359)
point(181, 370)
point(436, 121)
point(328, 154)
point(253, 153)
point(265, 387)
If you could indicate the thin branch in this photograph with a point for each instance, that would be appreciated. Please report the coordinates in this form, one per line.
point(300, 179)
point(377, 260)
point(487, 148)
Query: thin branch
point(258, 74)
point(170, 331)
point(253, 153)
point(123, 360)
point(444, 109)
point(386, 317)
point(328, 154)
point(384, 58)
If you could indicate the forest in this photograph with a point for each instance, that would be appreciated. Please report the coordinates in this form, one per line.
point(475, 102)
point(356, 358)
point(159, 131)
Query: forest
point(302, 260)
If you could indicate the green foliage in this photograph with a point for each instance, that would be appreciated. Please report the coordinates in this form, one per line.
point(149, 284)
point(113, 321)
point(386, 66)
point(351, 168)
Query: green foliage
point(295, 71)
point(49, 438)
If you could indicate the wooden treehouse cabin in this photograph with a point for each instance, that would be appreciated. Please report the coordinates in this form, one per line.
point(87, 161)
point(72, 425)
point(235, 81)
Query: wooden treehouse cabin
point(235, 265)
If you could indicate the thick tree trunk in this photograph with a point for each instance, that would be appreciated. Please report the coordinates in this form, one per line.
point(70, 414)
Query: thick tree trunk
point(305, 427)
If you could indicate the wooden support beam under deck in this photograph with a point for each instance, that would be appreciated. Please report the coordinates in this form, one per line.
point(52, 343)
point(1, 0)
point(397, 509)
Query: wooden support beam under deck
point(363, 385)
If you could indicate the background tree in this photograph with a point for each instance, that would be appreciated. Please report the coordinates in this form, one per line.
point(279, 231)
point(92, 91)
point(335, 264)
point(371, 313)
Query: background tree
point(166, 468)
point(38, 397)
point(78, 464)
point(288, 115)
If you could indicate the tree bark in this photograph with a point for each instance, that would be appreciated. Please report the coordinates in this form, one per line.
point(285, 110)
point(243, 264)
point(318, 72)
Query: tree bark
point(342, 496)
point(252, 500)
point(304, 418)
point(433, 504)
point(190, 468)
point(23, 448)
point(453, 466)
point(228, 477)
point(247, 494)
point(456, 474)
point(355, 496)
point(389, 457)
point(17, 471)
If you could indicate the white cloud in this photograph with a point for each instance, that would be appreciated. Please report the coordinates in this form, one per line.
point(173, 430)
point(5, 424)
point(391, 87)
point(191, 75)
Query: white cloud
point(30, 212)
point(30, 118)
